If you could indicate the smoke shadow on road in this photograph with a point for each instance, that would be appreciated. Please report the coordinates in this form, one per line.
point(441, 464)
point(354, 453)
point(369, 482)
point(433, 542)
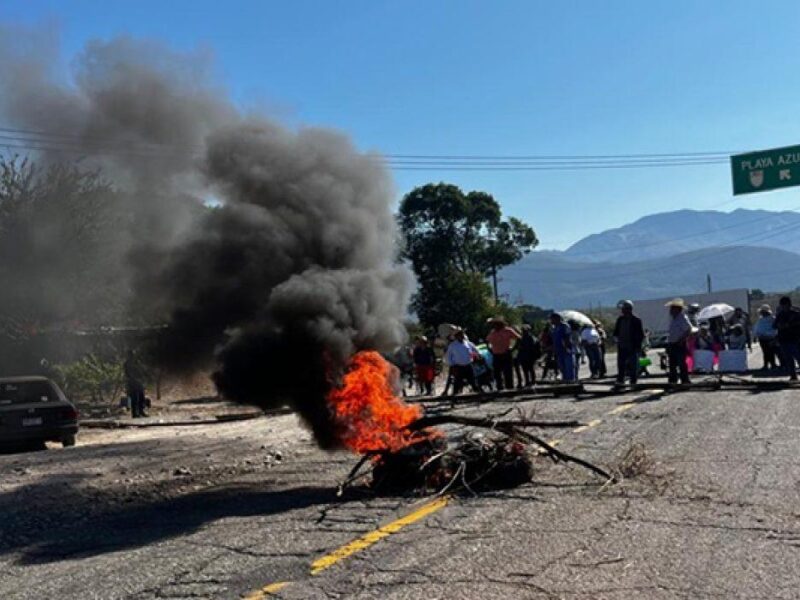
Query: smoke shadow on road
point(80, 527)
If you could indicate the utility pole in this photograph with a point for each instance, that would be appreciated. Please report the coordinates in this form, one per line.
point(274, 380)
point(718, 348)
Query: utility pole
point(494, 284)
point(708, 282)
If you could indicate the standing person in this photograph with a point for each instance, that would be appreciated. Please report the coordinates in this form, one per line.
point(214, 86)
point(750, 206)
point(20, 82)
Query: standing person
point(528, 353)
point(691, 313)
point(460, 355)
point(500, 340)
point(601, 331)
point(787, 323)
point(546, 343)
point(134, 385)
point(562, 347)
point(576, 346)
point(424, 364)
point(629, 335)
point(679, 331)
point(590, 339)
point(764, 333)
point(742, 319)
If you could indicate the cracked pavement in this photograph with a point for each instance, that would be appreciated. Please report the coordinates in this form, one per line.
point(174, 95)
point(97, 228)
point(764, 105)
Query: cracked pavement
point(209, 512)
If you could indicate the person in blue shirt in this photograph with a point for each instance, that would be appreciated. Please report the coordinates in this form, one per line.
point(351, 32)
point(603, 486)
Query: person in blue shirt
point(562, 347)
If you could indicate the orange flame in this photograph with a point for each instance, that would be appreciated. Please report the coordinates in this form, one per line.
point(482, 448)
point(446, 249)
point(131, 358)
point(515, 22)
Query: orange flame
point(369, 415)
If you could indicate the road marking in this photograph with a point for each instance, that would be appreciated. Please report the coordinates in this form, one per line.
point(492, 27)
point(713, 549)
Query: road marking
point(357, 545)
point(589, 425)
point(267, 590)
point(365, 541)
point(622, 408)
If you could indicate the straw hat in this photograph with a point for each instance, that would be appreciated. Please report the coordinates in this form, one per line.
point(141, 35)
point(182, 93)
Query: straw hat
point(677, 302)
point(496, 320)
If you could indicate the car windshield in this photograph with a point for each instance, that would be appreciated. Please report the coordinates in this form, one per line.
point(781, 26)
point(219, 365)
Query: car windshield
point(26, 392)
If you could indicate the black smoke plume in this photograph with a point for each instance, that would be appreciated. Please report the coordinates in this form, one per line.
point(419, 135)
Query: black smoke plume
point(270, 252)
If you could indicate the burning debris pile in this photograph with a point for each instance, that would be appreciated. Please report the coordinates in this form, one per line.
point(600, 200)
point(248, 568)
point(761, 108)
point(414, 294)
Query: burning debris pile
point(474, 464)
point(420, 459)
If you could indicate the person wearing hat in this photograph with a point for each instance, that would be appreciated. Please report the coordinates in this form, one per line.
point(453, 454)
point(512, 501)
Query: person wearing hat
point(679, 331)
point(500, 340)
point(787, 323)
point(629, 335)
point(424, 364)
point(562, 347)
point(765, 334)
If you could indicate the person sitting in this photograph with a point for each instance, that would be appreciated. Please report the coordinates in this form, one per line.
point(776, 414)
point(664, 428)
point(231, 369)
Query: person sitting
point(737, 339)
point(704, 339)
point(742, 318)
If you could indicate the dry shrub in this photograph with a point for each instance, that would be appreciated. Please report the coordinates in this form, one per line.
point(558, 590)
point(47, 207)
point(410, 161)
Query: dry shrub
point(635, 462)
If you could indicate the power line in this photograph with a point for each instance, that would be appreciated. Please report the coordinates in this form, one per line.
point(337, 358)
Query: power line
point(575, 167)
point(721, 154)
point(44, 141)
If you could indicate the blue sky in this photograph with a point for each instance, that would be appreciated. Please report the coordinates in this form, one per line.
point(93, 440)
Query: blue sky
point(502, 78)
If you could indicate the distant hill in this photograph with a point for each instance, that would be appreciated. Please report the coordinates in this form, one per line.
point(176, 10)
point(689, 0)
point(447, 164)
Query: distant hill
point(552, 279)
point(671, 233)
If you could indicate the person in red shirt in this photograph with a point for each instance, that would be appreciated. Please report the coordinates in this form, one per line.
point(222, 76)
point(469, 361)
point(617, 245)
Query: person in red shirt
point(501, 339)
point(424, 364)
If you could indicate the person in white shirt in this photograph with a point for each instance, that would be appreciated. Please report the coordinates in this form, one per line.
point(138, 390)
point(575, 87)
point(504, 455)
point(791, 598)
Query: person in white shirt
point(459, 357)
point(764, 332)
point(590, 340)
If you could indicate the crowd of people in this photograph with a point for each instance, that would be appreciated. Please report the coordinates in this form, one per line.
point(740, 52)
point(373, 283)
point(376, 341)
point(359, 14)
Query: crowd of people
point(508, 356)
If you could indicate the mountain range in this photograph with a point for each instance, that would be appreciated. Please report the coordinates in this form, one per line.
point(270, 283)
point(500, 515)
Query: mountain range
point(665, 254)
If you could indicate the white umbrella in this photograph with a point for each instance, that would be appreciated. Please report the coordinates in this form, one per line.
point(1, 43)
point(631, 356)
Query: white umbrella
point(446, 329)
point(578, 317)
point(712, 311)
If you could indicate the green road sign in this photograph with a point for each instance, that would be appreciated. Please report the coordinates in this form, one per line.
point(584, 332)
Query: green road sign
point(766, 170)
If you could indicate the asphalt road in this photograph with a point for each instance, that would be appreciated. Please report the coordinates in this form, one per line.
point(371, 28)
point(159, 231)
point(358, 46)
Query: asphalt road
point(223, 511)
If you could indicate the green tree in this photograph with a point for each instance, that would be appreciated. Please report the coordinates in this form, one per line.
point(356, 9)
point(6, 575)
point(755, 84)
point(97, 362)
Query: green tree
point(60, 255)
point(454, 241)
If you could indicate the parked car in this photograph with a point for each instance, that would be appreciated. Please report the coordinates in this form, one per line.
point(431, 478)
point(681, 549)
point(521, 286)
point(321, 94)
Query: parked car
point(34, 410)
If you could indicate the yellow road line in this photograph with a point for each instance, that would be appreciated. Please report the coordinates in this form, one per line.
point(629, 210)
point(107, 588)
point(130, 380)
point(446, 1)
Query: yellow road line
point(365, 541)
point(267, 590)
point(590, 424)
point(357, 545)
point(622, 408)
